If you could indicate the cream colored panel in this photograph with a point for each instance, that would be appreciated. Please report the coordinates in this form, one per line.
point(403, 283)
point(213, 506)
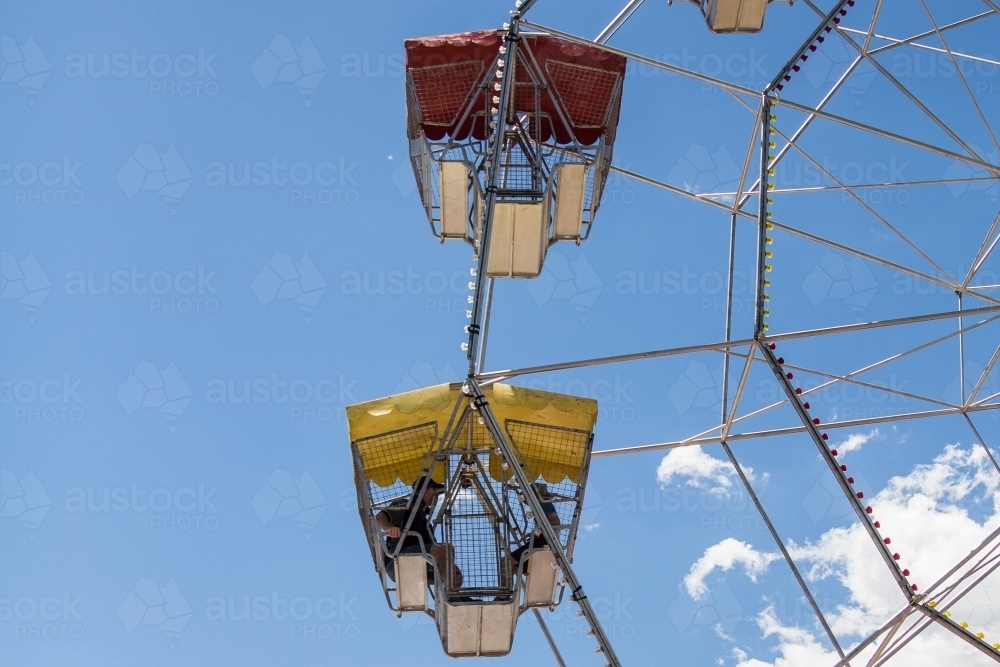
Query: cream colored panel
point(462, 629)
point(752, 14)
point(723, 15)
point(454, 199)
point(541, 580)
point(411, 582)
point(497, 629)
point(530, 240)
point(571, 181)
point(501, 239)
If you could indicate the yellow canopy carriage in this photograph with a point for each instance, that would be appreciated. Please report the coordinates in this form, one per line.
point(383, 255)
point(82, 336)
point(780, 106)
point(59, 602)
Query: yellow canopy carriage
point(483, 515)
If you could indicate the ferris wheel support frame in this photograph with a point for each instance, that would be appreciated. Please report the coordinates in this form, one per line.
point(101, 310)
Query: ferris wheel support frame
point(769, 98)
point(476, 350)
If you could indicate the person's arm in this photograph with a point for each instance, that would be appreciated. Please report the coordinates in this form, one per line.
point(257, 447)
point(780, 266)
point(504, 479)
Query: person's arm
point(384, 521)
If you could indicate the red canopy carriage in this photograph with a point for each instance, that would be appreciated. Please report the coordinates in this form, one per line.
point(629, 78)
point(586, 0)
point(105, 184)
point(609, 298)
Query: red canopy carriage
point(559, 135)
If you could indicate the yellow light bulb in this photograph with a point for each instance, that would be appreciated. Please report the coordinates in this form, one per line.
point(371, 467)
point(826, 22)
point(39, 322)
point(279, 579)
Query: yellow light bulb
point(767, 267)
point(770, 186)
point(769, 239)
point(772, 144)
point(769, 226)
point(765, 327)
point(964, 624)
point(768, 254)
point(770, 172)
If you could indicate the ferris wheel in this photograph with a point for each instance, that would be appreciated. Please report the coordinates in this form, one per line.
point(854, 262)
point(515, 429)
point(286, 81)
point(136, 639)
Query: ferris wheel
point(512, 136)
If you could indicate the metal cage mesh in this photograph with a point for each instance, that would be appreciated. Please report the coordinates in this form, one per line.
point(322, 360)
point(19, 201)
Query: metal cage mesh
point(581, 91)
point(483, 514)
point(443, 90)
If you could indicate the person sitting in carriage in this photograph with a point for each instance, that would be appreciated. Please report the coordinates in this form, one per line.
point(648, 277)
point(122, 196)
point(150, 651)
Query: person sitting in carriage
point(392, 520)
point(537, 540)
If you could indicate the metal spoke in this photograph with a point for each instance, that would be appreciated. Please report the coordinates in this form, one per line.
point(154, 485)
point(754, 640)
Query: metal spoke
point(781, 547)
point(618, 21)
point(548, 638)
point(704, 78)
point(961, 74)
point(984, 252)
point(903, 89)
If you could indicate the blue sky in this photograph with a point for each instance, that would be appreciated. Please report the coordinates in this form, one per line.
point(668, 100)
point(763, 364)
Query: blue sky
point(148, 281)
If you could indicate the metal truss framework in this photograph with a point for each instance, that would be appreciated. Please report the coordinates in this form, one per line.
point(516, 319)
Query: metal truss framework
point(924, 608)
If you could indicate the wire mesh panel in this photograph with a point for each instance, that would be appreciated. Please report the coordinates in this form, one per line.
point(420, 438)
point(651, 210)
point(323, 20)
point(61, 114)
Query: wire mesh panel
point(563, 107)
point(385, 451)
point(472, 531)
point(583, 91)
point(442, 90)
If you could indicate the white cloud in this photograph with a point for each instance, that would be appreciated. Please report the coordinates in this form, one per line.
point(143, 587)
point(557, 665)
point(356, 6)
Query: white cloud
point(920, 513)
point(796, 646)
point(926, 515)
point(725, 555)
point(701, 470)
point(856, 441)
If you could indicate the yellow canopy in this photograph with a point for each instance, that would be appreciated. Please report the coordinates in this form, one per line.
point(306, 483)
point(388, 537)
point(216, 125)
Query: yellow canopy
point(394, 434)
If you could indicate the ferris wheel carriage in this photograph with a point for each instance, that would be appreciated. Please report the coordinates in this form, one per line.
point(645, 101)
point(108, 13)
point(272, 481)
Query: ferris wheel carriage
point(733, 16)
point(491, 563)
point(558, 138)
